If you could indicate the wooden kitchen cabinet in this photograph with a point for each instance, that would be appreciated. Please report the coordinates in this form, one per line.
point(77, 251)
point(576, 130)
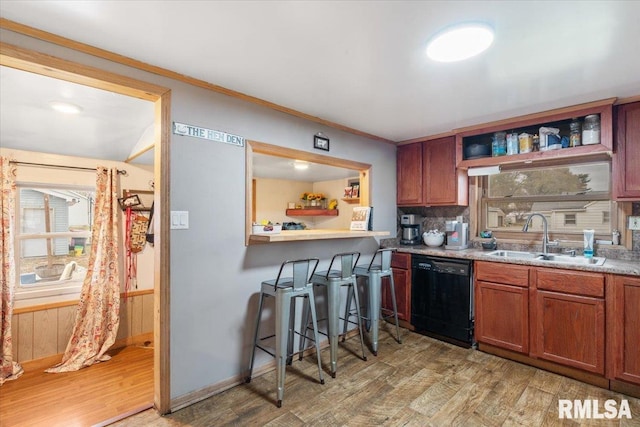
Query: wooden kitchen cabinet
point(443, 183)
point(502, 305)
point(568, 318)
point(623, 324)
point(401, 265)
point(626, 158)
point(427, 174)
point(409, 174)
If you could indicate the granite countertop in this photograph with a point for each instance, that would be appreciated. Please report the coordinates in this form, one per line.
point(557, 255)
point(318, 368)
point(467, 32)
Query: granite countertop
point(614, 266)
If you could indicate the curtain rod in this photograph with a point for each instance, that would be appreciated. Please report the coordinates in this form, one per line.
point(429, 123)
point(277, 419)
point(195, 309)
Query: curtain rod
point(120, 171)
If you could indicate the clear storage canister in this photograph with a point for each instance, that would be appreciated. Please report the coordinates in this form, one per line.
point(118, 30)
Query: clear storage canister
point(512, 143)
point(576, 134)
point(499, 144)
point(591, 130)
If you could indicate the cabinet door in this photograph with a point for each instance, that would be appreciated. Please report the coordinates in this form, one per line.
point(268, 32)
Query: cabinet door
point(624, 328)
point(402, 284)
point(502, 316)
point(569, 329)
point(626, 172)
point(443, 184)
point(409, 175)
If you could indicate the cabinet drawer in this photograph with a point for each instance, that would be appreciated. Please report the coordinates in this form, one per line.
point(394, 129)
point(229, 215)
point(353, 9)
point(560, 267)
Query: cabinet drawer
point(571, 282)
point(402, 261)
point(516, 275)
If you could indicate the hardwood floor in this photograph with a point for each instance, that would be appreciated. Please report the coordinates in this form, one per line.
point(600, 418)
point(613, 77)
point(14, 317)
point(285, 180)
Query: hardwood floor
point(422, 382)
point(95, 395)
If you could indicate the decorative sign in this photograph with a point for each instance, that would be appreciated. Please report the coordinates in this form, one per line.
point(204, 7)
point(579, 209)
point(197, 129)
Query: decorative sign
point(210, 134)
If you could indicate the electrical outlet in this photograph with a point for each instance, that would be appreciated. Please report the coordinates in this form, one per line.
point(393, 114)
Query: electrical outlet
point(634, 223)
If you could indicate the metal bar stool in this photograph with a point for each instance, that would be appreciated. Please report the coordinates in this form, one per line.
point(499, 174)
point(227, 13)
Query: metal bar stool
point(379, 267)
point(333, 280)
point(285, 290)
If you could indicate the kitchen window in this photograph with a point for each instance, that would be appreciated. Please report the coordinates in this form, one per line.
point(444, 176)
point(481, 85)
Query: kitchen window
point(53, 240)
point(571, 197)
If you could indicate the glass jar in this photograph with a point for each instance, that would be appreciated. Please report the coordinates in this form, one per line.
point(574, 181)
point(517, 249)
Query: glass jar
point(536, 142)
point(512, 143)
point(499, 144)
point(575, 135)
point(591, 130)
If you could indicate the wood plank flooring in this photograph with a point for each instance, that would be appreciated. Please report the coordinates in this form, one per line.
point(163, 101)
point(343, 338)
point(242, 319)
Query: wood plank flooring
point(422, 382)
point(90, 396)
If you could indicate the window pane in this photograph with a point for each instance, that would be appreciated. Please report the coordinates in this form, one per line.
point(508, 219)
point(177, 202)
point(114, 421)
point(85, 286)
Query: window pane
point(45, 260)
point(551, 181)
point(571, 198)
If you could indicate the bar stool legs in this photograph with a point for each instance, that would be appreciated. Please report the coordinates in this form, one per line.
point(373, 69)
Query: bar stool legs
point(285, 291)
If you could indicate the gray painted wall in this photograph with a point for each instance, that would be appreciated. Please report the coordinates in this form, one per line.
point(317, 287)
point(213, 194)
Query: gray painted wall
point(215, 279)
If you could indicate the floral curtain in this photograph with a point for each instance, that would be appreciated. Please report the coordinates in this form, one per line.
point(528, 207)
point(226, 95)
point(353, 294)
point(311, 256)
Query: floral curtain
point(9, 370)
point(98, 313)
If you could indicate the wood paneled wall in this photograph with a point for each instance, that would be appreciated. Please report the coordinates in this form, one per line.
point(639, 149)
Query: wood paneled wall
point(44, 331)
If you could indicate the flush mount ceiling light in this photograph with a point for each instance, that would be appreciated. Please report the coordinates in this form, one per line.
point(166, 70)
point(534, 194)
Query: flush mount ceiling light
point(301, 165)
point(65, 107)
point(460, 42)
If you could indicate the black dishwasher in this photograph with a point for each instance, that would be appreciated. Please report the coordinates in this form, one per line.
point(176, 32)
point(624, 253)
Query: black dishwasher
point(442, 298)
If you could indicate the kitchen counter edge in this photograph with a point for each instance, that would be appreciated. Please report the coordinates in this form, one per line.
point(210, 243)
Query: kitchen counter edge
point(612, 266)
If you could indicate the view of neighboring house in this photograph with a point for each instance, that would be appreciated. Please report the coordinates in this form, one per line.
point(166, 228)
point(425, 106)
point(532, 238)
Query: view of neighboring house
point(578, 214)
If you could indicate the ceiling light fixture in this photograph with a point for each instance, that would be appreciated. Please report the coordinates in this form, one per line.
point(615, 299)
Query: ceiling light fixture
point(460, 42)
point(65, 107)
point(301, 165)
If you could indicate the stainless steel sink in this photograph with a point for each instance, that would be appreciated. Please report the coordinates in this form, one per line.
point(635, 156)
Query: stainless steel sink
point(514, 254)
point(550, 258)
point(575, 260)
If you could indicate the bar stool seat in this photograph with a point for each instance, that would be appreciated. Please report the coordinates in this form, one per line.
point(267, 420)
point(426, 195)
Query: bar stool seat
point(286, 290)
point(334, 280)
point(379, 267)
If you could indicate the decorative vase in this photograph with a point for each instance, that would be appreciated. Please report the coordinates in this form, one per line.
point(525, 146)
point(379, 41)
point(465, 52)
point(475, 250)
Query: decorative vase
point(314, 203)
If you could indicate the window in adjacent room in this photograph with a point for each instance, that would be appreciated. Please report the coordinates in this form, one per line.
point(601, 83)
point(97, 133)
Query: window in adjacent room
point(53, 240)
point(571, 197)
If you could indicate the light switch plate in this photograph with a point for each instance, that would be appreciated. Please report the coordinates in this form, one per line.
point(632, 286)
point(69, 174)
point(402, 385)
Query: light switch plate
point(179, 220)
point(634, 223)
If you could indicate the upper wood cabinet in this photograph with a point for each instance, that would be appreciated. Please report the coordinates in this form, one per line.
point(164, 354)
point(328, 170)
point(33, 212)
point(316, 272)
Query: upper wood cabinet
point(444, 184)
point(427, 174)
point(626, 158)
point(409, 175)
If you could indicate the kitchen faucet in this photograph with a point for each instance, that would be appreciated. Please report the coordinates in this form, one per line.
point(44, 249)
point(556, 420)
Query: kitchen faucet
point(545, 231)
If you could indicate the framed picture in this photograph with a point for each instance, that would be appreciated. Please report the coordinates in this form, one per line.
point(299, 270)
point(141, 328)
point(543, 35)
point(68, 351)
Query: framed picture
point(320, 143)
point(129, 201)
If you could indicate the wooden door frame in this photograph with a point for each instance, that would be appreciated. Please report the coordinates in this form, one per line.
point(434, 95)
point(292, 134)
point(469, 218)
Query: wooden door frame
point(39, 63)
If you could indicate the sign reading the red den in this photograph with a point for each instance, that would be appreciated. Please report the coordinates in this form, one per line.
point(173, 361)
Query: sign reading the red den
point(210, 134)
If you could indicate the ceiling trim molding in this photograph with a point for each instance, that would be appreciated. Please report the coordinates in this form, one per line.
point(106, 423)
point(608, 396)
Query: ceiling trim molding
point(426, 138)
point(130, 62)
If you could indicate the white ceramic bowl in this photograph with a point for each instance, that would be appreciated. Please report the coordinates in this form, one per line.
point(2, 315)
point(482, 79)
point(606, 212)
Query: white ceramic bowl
point(433, 239)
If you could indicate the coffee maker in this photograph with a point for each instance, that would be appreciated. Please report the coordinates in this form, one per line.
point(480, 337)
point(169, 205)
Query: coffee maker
point(457, 234)
point(411, 229)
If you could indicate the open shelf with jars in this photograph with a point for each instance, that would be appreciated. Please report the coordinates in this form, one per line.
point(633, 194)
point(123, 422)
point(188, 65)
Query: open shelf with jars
point(473, 144)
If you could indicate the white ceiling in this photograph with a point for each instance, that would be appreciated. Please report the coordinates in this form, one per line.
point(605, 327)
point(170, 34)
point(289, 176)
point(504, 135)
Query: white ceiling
point(362, 63)
point(109, 126)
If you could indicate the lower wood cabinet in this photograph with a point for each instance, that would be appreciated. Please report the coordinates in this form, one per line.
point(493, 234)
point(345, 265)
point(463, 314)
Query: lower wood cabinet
point(502, 306)
point(623, 324)
point(568, 318)
point(401, 265)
